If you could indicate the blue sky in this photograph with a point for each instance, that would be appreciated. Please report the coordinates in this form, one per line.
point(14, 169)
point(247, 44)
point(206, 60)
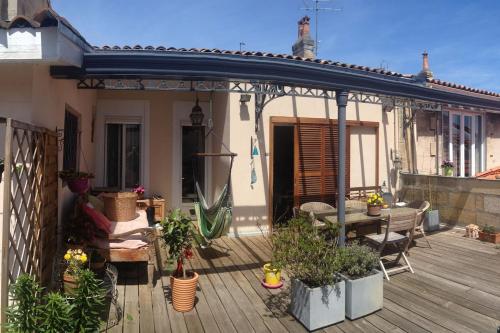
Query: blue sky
point(461, 36)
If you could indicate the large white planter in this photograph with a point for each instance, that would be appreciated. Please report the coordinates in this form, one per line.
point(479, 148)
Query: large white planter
point(364, 295)
point(317, 307)
point(431, 222)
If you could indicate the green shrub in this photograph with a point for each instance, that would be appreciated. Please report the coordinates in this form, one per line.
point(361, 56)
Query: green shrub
point(88, 302)
point(489, 229)
point(357, 261)
point(24, 313)
point(56, 314)
point(305, 253)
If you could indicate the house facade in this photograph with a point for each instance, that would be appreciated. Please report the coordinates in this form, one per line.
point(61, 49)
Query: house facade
point(123, 113)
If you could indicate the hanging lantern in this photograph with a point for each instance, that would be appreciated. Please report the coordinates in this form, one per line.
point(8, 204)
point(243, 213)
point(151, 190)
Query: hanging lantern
point(196, 115)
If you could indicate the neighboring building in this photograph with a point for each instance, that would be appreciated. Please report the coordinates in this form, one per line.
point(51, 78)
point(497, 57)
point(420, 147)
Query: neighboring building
point(131, 106)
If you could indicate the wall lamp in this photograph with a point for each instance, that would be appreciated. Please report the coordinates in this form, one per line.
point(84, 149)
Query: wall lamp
point(244, 98)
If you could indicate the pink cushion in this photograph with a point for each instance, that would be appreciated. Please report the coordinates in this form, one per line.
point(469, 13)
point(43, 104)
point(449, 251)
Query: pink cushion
point(101, 222)
point(134, 241)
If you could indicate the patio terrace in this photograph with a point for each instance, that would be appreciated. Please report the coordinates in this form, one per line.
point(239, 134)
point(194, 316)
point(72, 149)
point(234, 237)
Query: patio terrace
point(455, 288)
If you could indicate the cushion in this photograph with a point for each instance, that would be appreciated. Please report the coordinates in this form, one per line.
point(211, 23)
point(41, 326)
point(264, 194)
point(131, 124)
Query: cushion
point(133, 241)
point(100, 220)
point(97, 203)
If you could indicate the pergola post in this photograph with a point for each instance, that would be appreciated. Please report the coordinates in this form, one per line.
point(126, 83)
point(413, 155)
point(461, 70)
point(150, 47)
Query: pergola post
point(341, 97)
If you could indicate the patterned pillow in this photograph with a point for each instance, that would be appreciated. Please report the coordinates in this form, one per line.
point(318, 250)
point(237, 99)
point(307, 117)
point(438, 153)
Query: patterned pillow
point(97, 203)
point(100, 220)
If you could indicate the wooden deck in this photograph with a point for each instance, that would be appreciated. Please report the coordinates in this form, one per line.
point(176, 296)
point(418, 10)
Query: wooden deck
point(455, 288)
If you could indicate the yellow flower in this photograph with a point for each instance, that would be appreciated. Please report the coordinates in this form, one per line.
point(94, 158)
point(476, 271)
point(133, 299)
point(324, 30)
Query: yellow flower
point(84, 258)
point(77, 257)
point(67, 256)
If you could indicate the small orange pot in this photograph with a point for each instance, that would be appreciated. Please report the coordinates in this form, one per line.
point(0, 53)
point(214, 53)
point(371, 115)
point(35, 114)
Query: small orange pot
point(374, 210)
point(70, 283)
point(183, 292)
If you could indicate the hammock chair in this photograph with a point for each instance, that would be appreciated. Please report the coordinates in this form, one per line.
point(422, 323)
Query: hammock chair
point(214, 221)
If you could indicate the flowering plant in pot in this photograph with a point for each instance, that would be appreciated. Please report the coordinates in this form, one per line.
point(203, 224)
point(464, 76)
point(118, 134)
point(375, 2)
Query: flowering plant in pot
point(364, 285)
point(489, 233)
point(374, 204)
point(75, 260)
point(178, 234)
point(78, 182)
point(447, 167)
point(309, 258)
point(139, 190)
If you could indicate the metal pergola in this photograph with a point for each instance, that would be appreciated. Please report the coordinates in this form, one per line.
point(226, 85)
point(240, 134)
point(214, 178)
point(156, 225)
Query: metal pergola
point(267, 78)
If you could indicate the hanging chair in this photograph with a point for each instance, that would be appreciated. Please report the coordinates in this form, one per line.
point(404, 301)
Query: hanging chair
point(214, 221)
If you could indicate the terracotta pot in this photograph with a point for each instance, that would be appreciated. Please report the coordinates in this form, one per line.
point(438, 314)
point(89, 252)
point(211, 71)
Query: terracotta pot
point(374, 210)
point(78, 186)
point(490, 238)
point(272, 275)
point(70, 283)
point(184, 292)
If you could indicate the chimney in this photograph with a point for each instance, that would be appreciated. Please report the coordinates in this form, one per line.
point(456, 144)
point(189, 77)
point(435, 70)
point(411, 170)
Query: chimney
point(304, 46)
point(12, 8)
point(426, 72)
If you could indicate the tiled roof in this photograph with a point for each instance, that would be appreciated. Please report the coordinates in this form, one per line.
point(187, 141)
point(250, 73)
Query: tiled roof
point(489, 174)
point(429, 82)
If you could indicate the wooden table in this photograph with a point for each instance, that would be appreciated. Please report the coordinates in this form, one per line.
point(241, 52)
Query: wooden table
point(157, 204)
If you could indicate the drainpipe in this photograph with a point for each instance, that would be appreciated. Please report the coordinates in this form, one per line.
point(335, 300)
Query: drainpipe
point(414, 139)
point(341, 97)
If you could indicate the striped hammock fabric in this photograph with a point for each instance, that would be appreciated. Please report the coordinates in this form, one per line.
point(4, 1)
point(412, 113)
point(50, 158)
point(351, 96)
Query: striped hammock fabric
point(214, 221)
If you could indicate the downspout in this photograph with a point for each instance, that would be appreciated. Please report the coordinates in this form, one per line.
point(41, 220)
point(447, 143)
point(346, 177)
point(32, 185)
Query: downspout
point(414, 139)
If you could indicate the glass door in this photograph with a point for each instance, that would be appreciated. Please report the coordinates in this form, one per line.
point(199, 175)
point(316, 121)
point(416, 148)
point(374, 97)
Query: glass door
point(193, 168)
point(464, 133)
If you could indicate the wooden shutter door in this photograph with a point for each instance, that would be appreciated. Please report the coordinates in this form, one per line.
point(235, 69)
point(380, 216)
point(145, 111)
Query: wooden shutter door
point(316, 163)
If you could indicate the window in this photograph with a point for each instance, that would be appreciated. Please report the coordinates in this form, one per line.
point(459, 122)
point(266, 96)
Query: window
point(463, 138)
point(123, 155)
point(71, 137)
point(193, 169)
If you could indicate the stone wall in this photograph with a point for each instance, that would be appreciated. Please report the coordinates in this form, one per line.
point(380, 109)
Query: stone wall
point(460, 201)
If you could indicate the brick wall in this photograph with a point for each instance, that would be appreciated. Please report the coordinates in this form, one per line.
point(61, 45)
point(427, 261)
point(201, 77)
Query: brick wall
point(460, 201)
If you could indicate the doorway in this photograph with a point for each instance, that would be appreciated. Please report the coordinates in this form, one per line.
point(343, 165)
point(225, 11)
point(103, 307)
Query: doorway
point(193, 169)
point(283, 164)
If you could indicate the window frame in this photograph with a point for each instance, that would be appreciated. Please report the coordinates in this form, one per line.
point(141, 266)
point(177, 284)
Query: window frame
point(69, 110)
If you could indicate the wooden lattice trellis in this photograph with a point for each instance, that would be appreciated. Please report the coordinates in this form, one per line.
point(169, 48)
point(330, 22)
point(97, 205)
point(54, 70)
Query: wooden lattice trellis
point(29, 232)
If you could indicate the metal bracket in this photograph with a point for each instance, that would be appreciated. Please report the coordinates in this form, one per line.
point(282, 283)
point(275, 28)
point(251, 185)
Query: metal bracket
point(263, 91)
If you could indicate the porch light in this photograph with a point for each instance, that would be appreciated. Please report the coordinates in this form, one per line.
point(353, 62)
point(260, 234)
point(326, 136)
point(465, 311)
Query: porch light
point(196, 115)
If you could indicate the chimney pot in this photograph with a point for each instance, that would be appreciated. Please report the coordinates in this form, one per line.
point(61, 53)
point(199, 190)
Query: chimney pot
point(304, 46)
point(426, 72)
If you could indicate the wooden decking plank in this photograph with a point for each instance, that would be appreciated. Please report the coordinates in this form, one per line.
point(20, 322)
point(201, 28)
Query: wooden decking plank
point(382, 324)
point(268, 295)
point(426, 309)
point(447, 293)
point(193, 322)
point(266, 315)
point(239, 320)
point(406, 322)
point(161, 320)
point(146, 318)
point(131, 308)
point(120, 287)
point(215, 305)
point(205, 315)
point(358, 325)
point(471, 244)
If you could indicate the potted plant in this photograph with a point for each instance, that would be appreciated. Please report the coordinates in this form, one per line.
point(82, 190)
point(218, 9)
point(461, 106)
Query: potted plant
point(489, 234)
point(374, 204)
point(78, 182)
point(139, 190)
point(178, 234)
point(447, 167)
point(317, 289)
point(364, 285)
point(75, 260)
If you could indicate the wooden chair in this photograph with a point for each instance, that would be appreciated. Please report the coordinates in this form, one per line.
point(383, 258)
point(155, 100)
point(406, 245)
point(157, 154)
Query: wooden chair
point(422, 206)
point(132, 241)
point(394, 241)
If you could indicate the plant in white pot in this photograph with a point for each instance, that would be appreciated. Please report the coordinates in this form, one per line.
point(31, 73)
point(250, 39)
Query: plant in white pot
point(364, 285)
point(178, 233)
point(309, 258)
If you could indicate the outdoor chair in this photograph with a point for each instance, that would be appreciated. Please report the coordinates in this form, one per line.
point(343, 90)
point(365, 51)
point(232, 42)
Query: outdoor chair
point(395, 240)
point(312, 208)
point(422, 206)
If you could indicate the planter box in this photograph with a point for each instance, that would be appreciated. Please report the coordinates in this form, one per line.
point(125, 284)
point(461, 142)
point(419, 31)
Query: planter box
point(491, 238)
point(364, 295)
point(431, 222)
point(317, 307)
